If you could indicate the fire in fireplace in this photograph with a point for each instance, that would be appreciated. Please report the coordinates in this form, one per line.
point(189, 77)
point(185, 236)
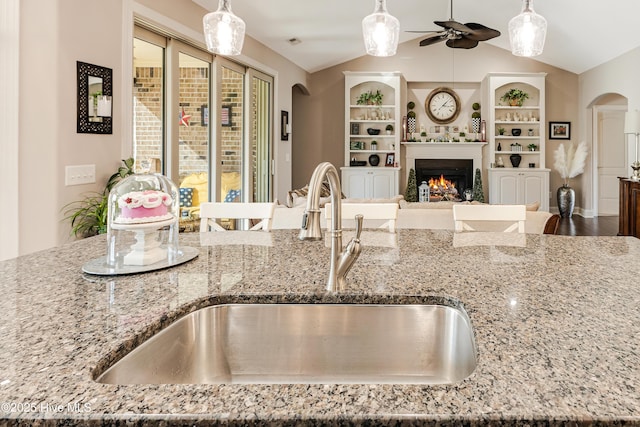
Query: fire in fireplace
point(450, 177)
point(442, 189)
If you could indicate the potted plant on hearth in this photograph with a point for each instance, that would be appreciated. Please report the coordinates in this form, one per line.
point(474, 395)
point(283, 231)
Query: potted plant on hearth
point(515, 97)
point(570, 163)
point(411, 119)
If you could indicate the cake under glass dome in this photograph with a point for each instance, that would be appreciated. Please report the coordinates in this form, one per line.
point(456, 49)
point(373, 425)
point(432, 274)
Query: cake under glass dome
point(142, 222)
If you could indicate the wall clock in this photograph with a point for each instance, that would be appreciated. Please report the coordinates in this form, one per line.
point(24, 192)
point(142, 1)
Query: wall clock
point(442, 105)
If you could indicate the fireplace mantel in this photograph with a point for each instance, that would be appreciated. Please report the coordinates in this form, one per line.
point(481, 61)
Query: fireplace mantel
point(443, 150)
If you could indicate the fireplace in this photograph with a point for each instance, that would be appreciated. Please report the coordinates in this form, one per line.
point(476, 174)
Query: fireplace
point(458, 171)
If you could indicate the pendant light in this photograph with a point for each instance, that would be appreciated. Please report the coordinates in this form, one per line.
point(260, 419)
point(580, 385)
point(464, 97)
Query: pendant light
point(223, 31)
point(381, 31)
point(527, 31)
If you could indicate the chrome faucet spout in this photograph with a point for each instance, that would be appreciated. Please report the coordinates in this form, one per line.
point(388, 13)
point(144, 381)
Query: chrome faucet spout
point(310, 229)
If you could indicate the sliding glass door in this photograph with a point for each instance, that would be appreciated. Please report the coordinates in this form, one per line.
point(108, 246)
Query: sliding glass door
point(148, 99)
point(229, 90)
point(261, 136)
point(206, 122)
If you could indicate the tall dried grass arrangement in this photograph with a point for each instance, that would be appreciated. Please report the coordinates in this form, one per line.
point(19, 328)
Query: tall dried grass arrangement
point(570, 161)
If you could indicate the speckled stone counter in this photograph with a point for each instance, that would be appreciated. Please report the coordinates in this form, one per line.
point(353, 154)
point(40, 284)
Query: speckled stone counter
point(557, 326)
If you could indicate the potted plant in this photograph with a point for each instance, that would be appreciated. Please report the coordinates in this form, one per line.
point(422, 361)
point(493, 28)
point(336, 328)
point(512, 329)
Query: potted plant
point(501, 131)
point(515, 97)
point(376, 98)
point(363, 99)
point(89, 216)
point(389, 129)
point(411, 118)
point(423, 136)
point(475, 119)
point(370, 98)
point(532, 147)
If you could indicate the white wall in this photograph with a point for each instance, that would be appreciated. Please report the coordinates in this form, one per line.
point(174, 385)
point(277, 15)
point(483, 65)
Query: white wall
point(618, 76)
point(9, 128)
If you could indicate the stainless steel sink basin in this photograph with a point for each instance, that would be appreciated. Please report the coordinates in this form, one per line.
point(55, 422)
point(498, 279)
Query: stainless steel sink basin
point(305, 343)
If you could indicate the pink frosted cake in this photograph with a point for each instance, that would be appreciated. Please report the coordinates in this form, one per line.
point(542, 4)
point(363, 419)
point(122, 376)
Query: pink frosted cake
point(138, 207)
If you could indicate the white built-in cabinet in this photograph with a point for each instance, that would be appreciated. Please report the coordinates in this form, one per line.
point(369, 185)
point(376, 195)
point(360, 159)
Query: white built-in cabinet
point(529, 182)
point(369, 183)
point(362, 177)
point(510, 187)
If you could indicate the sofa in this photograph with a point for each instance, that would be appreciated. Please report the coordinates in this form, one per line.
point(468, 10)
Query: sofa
point(435, 216)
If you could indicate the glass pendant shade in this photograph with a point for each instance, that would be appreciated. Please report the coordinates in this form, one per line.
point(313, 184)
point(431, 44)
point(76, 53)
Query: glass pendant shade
point(527, 31)
point(381, 31)
point(223, 31)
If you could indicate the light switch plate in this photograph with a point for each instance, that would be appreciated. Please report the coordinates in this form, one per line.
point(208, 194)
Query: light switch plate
point(80, 174)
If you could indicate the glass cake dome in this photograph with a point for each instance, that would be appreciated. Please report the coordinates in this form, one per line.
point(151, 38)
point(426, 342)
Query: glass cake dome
point(142, 222)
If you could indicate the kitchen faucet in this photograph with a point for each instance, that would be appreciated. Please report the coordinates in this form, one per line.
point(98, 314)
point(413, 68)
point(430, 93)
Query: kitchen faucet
point(341, 263)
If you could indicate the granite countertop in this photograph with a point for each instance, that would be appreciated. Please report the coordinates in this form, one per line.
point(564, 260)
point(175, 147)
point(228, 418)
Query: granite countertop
point(557, 326)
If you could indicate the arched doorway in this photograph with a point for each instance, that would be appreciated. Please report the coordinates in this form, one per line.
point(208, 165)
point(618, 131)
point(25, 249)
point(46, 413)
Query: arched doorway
point(302, 155)
point(609, 152)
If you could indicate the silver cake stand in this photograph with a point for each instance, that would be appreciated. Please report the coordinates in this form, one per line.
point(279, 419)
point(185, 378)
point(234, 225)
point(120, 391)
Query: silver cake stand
point(100, 267)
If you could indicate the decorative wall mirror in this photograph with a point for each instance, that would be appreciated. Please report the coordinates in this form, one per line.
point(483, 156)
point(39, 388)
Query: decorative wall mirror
point(95, 89)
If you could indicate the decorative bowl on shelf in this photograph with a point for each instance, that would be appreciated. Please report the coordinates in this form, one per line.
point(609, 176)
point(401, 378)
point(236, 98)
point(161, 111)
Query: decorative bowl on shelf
point(372, 131)
point(516, 132)
point(374, 160)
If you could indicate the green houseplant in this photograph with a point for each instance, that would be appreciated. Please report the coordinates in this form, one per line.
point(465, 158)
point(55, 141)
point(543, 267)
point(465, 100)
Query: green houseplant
point(370, 98)
point(89, 216)
point(475, 118)
point(411, 120)
point(515, 97)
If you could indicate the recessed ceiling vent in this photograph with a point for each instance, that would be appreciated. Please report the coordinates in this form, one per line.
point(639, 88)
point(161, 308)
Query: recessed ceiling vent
point(294, 41)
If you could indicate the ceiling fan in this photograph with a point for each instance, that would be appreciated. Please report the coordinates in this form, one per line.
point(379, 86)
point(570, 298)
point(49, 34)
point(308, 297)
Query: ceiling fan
point(457, 35)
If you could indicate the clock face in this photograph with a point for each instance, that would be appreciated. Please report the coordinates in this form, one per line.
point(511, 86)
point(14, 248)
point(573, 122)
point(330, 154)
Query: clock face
point(442, 105)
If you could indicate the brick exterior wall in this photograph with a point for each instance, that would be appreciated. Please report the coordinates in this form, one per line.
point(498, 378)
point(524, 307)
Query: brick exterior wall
point(147, 105)
point(232, 94)
point(194, 93)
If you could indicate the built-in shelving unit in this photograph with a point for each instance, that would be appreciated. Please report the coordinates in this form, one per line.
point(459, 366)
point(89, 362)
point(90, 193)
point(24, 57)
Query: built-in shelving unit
point(529, 181)
point(362, 176)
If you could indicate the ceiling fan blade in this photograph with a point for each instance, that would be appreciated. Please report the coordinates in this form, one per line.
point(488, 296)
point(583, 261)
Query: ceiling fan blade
point(422, 32)
point(462, 43)
point(454, 25)
point(480, 32)
point(433, 39)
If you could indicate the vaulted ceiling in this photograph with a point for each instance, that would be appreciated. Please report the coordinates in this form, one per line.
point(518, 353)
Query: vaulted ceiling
point(581, 34)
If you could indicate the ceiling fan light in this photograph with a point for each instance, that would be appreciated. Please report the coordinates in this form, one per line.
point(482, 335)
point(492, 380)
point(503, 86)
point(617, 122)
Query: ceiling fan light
point(527, 31)
point(223, 31)
point(381, 31)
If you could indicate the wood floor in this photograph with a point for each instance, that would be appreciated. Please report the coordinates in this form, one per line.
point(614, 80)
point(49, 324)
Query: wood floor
point(579, 226)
